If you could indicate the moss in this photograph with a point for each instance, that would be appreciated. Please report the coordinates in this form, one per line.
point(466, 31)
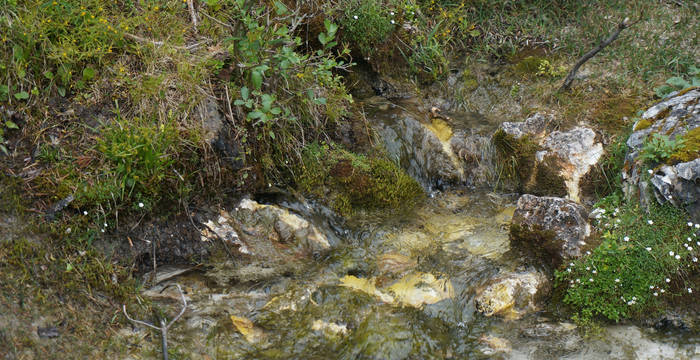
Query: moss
point(529, 65)
point(642, 124)
point(690, 150)
point(516, 155)
point(11, 200)
point(350, 181)
point(546, 180)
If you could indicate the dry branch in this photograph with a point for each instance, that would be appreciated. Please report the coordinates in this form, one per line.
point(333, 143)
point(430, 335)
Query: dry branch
point(587, 56)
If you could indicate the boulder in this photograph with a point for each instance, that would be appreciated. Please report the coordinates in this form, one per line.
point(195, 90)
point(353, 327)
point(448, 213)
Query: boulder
point(675, 180)
point(548, 164)
point(550, 228)
point(512, 295)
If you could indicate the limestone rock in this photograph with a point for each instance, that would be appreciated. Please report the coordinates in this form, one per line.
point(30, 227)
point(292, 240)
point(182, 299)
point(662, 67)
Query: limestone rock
point(512, 295)
point(550, 228)
point(535, 126)
point(575, 151)
point(676, 183)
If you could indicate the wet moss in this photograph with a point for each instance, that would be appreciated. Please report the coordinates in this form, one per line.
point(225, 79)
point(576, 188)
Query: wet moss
point(350, 182)
point(517, 157)
point(690, 150)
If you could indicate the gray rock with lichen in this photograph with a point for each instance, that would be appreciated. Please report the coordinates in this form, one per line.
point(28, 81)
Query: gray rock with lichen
point(551, 228)
point(674, 183)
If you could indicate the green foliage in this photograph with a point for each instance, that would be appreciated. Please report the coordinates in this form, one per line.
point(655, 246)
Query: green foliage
point(643, 258)
point(350, 181)
point(287, 97)
point(657, 148)
point(366, 24)
point(677, 83)
point(51, 43)
point(5, 126)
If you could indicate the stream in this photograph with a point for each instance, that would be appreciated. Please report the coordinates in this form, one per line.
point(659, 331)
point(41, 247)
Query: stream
point(398, 287)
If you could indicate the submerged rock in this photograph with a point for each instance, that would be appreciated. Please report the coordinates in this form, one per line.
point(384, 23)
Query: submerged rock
point(264, 240)
point(676, 179)
point(495, 345)
point(512, 295)
point(415, 289)
point(552, 229)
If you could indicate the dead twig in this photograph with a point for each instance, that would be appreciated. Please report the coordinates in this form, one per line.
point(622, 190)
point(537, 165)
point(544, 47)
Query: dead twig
point(161, 43)
point(193, 14)
point(587, 56)
point(163, 328)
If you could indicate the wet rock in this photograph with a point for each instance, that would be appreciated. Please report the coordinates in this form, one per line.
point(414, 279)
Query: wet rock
point(415, 289)
point(394, 263)
point(250, 332)
point(675, 181)
point(548, 330)
point(534, 126)
point(512, 295)
point(552, 229)
point(328, 328)
point(212, 120)
point(494, 345)
point(423, 149)
point(263, 241)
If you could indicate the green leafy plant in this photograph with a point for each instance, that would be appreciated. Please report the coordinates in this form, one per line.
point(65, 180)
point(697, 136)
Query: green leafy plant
point(679, 83)
point(9, 125)
point(657, 148)
point(366, 24)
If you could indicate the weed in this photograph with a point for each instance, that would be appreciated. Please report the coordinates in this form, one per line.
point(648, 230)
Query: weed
point(657, 148)
point(677, 83)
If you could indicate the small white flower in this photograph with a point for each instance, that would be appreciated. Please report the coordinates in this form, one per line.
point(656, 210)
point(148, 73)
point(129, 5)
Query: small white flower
point(627, 238)
point(650, 222)
point(571, 281)
point(571, 264)
point(678, 257)
point(617, 280)
point(393, 22)
point(594, 271)
point(391, 13)
point(650, 171)
point(688, 239)
point(671, 253)
point(602, 211)
point(690, 224)
point(140, 204)
point(698, 243)
point(651, 286)
point(568, 270)
point(591, 280)
point(355, 17)
point(690, 248)
point(105, 224)
point(84, 212)
point(648, 249)
point(103, 230)
point(588, 252)
point(670, 197)
point(697, 226)
point(662, 291)
point(695, 259)
point(656, 294)
point(668, 280)
point(634, 298)
point(690, 291)
point(578, 280)
point(588, 268)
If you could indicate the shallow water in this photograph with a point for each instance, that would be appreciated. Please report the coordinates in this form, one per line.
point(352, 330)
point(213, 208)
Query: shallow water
point(399, 288)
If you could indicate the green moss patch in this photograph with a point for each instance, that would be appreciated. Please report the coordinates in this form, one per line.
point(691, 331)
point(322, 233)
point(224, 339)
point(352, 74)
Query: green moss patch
point(690, 148)
point(350, 181)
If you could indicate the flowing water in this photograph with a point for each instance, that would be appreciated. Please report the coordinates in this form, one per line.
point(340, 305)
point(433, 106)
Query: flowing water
point(399, 287)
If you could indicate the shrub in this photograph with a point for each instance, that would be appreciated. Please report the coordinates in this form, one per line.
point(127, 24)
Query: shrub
point(366, 24)
point(643, 258)
point(658, 148)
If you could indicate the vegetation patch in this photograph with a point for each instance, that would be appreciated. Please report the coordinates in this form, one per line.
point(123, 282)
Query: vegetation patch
point(351, 182)
point(689, 149)
point(644, 257)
